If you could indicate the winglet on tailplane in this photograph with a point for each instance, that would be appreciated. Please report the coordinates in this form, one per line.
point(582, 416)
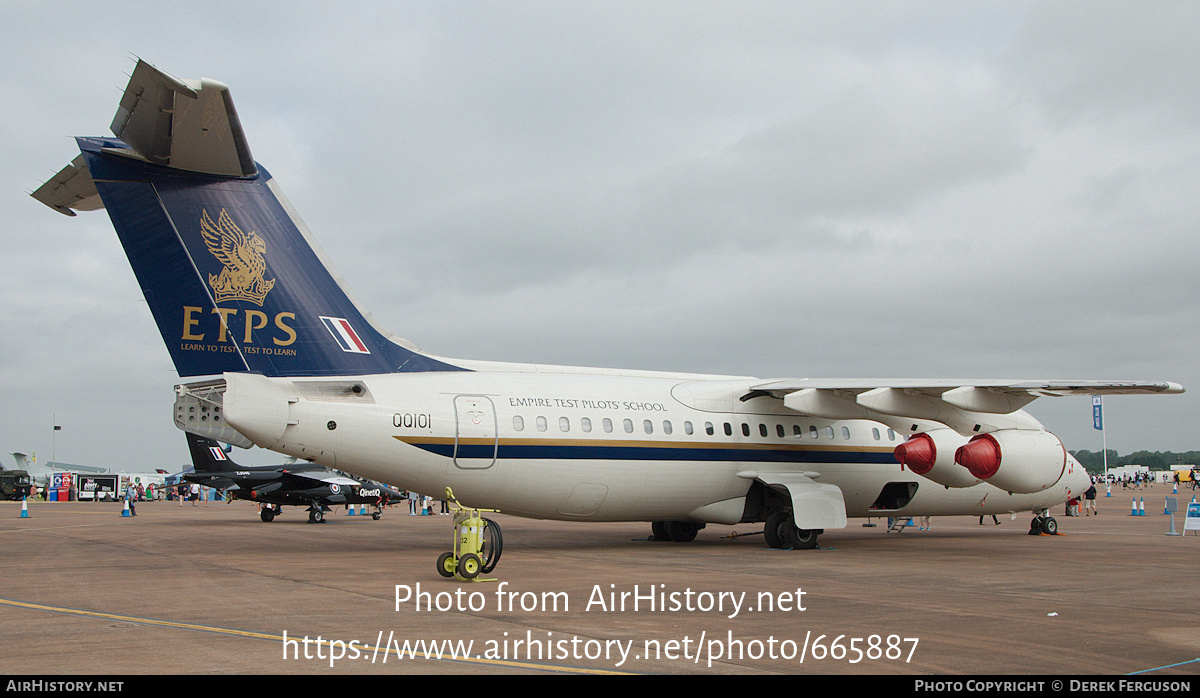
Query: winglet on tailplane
point(231, 273)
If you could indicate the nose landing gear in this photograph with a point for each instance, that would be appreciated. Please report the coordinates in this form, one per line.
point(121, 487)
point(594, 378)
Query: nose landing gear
point(1043, 523)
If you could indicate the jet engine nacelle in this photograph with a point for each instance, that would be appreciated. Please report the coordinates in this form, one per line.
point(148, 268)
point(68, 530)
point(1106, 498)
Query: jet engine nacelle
point(1023, 461)
point(931, 454)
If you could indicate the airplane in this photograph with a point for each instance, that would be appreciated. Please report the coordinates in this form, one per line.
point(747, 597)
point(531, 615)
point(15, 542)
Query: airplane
point(42, 475)
point(283, 357)
point(301, 484)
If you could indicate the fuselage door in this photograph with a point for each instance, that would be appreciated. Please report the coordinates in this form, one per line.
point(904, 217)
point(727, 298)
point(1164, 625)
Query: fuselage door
point(475, 432)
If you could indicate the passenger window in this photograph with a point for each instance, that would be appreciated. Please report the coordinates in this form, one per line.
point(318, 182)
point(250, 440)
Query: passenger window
point(891, 435)
point(541, 424)
point(628, 424)
point(667, 428)
point(607, 425)
point(518, 423)
point(709, 429)
point(797, 431)
point(648, 426)
point(845, 432)
point(875, 433)
point(564, 424)
point(762, 430)
point(745, 429)
point(728, 429)
point(779, 431)
point(687, 428)
point(585, 423)
point(829, 432)
point(812, 431)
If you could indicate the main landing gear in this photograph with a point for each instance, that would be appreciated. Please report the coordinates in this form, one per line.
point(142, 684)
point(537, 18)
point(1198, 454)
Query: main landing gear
point(675, 531)
point(780, 532)
point(268, 512)
point(316, 513)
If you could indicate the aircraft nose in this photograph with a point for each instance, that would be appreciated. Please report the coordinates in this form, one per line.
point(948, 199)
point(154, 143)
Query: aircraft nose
point(1078, 481)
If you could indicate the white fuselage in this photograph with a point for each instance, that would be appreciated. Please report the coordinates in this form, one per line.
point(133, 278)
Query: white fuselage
point(596, 445)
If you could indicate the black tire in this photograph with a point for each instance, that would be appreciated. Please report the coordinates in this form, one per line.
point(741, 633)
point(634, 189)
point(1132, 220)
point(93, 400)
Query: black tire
point(376, 515)
point(469, 566)
point(493, 545)
point(1035, 527)
point(771, 529)
point(1050, 526)
point(267, 514)
point(682, 531)
point(658, 530)
point(317, 516)
point(806, 539)
point(446, 565)
point(795, 538)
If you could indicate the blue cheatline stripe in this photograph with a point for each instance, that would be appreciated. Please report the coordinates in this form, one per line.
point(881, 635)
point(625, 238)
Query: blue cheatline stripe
point(568, 451)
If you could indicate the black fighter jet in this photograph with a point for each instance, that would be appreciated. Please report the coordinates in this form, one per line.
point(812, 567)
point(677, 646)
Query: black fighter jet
point(301, 484)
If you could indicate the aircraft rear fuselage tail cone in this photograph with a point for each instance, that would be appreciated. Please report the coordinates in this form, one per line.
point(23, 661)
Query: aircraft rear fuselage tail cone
point(241, 293)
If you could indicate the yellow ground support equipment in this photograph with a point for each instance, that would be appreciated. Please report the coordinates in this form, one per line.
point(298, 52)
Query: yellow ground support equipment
point(477, 544)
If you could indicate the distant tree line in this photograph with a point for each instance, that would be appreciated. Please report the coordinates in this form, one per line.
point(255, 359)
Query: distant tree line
point(1093, 461)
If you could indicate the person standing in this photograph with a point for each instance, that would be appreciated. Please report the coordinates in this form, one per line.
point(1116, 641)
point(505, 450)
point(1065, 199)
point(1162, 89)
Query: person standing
point(1089, 502)
point(131, 499)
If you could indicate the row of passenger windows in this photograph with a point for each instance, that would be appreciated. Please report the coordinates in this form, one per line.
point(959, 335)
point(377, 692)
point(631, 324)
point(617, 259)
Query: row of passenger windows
point(666, 427)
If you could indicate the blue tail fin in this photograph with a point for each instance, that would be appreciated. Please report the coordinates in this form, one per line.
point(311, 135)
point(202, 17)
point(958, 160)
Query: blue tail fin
point(227, 267)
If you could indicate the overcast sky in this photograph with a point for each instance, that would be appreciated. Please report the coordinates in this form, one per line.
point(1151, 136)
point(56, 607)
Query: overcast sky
point(791, 189)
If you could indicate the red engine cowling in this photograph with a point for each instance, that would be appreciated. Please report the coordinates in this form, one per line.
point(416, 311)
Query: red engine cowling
point(1015, 460)
point(931, 454)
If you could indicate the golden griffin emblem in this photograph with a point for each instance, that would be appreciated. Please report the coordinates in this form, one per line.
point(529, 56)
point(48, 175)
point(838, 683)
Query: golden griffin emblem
point(242, 256)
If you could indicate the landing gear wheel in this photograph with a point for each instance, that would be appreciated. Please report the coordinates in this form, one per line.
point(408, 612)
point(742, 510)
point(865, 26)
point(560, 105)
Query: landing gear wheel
point(658, 529)
point(795, 538)
point(771, 529)
point(1043, 525)
point(493, 545)
point(804, 539)
point(446, 565)
point(469, 566)
point(682, 531)
point(267, 514)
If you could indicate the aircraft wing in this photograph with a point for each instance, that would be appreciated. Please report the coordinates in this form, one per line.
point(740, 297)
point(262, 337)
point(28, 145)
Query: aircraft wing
point(966, 405)
point(324, 477)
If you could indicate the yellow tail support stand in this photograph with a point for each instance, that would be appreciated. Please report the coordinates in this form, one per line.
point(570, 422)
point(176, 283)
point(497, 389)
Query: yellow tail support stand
point(477, 544)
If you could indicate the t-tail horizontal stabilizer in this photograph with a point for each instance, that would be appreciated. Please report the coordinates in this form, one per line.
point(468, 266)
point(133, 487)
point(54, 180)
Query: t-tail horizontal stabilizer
point(228, 269)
